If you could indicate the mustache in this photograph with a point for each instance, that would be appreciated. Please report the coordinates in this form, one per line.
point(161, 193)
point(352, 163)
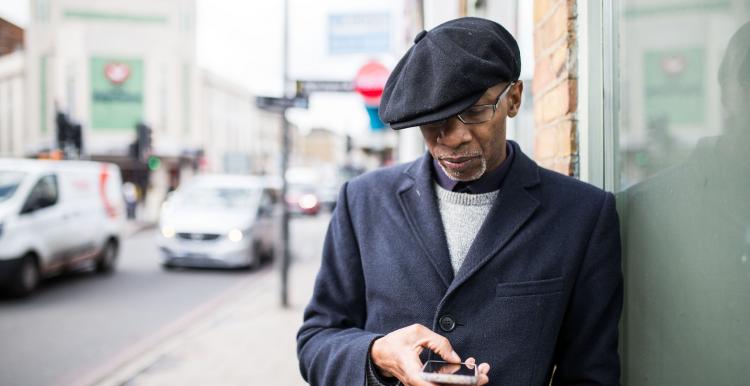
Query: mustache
point(459, 154)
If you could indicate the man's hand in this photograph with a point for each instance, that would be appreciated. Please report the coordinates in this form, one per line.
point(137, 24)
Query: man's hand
point(397, 354)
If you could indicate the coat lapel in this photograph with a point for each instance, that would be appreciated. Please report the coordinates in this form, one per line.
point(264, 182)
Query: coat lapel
point(513, 207)
point(417, 198)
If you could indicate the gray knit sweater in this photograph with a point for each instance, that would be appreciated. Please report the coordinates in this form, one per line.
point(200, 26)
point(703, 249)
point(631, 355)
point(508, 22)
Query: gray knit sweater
point(462, 215)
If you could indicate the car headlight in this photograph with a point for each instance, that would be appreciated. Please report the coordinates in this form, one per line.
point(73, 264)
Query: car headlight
point(308, 201)
point(168, 232)
point(235, 235)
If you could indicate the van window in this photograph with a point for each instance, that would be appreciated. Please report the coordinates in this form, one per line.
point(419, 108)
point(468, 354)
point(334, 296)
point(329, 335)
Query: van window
point(43, 195)
point(9, 182)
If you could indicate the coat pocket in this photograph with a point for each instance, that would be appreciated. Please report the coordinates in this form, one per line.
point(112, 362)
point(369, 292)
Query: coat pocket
point(525, 288)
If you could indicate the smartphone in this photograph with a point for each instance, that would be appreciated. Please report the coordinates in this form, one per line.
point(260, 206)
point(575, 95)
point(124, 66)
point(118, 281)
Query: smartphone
point(450, 373)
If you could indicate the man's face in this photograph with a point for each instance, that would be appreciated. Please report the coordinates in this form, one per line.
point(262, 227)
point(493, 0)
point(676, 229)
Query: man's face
point(467, 151)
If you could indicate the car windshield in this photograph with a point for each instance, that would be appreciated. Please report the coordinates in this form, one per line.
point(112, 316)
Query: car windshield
point(9, 182)
point(216, 197)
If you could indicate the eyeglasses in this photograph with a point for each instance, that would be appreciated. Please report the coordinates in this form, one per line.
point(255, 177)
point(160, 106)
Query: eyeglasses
point(475, 114)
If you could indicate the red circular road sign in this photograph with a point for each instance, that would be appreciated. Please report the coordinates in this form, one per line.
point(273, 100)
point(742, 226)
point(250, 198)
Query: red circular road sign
point(370, 80)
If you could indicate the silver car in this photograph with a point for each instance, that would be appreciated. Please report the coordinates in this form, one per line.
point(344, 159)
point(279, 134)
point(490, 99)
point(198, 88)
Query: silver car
point(220, 221)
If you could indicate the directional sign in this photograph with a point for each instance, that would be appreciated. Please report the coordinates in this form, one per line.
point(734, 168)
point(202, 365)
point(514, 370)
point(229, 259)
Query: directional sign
point(279, 104)
point(310, 86)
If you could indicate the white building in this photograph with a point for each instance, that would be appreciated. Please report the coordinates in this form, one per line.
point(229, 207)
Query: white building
point(12, 133)
point(237, 136)
point(110, 65)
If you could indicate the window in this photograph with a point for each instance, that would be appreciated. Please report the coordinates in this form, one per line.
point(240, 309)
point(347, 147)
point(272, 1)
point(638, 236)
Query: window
point(682, 135)
point(44, 194)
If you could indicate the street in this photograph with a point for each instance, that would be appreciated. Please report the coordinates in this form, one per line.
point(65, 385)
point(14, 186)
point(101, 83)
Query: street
point(78, 328)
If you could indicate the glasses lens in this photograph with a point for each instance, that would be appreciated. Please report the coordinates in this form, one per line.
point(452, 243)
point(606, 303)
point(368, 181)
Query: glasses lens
point(477, 114)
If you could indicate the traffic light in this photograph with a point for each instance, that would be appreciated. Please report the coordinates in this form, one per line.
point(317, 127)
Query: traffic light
point(140, 150)
point(63, 127)
point(76, 137)
point(69, 135)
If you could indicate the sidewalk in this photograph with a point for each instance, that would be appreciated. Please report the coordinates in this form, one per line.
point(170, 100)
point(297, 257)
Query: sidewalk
point(247, 340)
point(135, 226)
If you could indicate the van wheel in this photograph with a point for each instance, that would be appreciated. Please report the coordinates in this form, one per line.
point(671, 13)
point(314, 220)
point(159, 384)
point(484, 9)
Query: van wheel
point(27, 278)
point(107, 259)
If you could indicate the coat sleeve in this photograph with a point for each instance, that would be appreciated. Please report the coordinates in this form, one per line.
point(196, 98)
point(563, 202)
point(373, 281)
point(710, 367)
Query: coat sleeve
point(586, 351)
point(332, 346)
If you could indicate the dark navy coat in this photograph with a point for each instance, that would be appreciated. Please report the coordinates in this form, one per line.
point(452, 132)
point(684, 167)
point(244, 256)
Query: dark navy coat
point(541, 286)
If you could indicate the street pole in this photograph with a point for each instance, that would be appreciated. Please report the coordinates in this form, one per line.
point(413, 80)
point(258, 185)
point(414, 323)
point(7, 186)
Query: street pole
point(285, 147)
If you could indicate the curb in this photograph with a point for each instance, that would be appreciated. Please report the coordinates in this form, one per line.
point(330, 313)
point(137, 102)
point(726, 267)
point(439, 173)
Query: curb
point(143, 354)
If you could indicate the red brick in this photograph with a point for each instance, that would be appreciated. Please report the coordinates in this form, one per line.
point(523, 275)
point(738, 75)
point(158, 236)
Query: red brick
point(555, 27)
point(545, 145)
point(566, 138)
point(538, 113)
point(543, 76)
point(558, 61)
point(541, 8)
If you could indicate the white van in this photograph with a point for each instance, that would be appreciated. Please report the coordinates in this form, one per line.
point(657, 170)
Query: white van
point(57, 216)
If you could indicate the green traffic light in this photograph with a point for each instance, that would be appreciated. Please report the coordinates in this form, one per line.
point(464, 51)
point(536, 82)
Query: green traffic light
point(153, 163)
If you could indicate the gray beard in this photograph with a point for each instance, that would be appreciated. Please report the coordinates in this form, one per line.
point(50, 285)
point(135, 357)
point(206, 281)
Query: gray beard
point(466, 178)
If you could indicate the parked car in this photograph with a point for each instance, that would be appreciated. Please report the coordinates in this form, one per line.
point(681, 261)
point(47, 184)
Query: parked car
point(220, 221)
point(57, 216)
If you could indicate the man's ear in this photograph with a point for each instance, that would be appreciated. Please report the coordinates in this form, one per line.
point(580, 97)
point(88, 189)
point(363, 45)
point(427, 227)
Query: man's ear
point(514, 98)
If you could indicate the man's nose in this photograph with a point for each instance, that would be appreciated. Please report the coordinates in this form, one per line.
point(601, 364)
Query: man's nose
point(454, 134)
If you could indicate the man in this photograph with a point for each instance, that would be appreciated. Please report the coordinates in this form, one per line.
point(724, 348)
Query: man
point(472, 251)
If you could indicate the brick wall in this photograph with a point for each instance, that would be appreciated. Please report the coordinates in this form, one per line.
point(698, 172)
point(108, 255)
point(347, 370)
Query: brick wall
point(11, 37)
point(555, 85)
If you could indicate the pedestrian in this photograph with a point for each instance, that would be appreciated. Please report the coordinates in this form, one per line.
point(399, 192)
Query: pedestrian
point(130, 195)
point(470, 253)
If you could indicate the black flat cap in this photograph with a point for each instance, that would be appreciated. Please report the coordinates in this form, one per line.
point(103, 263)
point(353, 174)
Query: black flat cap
point(447, 70)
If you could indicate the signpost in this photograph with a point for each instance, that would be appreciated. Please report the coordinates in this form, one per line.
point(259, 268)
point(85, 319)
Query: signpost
point(306, 87)
point(281, 104)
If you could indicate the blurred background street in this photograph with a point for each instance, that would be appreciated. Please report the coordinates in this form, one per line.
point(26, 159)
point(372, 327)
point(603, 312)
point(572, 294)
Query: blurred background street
point(83, 328)
point(168, 170)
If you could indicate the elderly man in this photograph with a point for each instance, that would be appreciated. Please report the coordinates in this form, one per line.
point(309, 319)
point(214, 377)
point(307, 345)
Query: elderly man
point(472, 251)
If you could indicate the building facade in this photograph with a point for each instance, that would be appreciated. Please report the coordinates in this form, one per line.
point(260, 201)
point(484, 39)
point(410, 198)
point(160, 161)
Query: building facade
point(12, 75)
point(110, 65)
point(12, 81)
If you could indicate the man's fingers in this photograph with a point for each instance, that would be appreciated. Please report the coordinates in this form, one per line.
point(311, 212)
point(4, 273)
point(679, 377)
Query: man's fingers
point(483, 378)
point(482, 371)
point(440, 345)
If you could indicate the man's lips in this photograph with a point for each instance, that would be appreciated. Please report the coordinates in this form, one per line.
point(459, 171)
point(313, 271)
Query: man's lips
point(457, 162)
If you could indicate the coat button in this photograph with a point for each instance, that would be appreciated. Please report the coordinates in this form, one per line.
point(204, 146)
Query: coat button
point(447, 323)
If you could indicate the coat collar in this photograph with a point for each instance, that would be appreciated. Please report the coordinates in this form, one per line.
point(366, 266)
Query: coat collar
point(515, 204)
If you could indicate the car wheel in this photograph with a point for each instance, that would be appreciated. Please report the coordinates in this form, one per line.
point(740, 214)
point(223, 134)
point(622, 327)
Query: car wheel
point(107, 259)
point(256, 257)
point(270, 254)
point(168, 266)
point(28, 277)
